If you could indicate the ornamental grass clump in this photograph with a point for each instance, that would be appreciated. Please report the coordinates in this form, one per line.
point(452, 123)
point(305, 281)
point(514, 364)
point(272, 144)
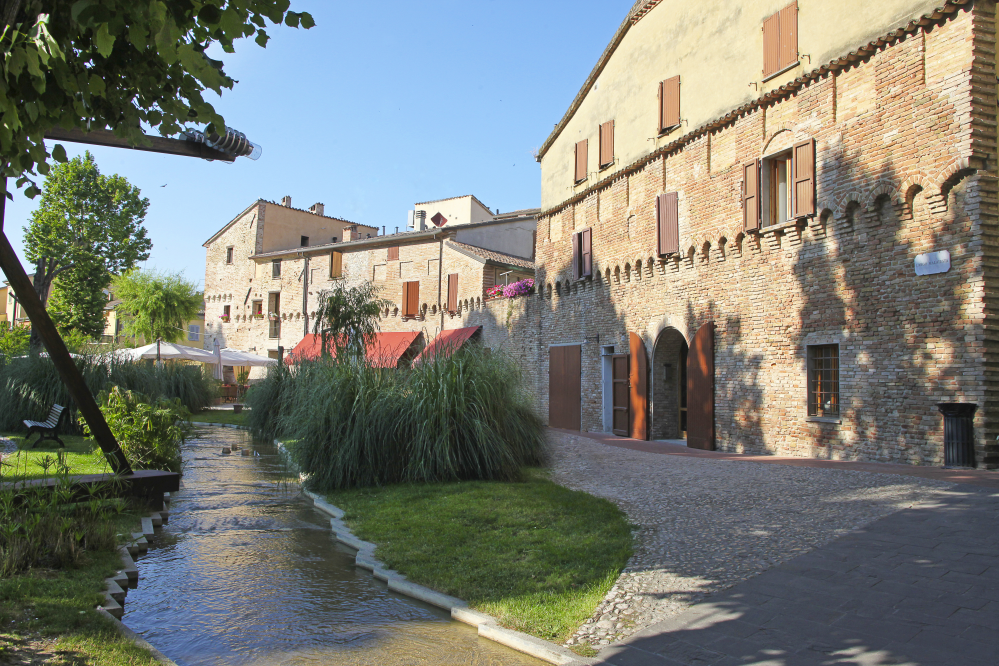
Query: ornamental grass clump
point(461, 416)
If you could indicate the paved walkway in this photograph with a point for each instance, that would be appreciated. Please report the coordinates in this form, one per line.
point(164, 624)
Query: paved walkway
point(919, 587)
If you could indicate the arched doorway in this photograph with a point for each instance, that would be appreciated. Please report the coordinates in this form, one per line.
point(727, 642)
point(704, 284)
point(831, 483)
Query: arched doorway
point(669, 386)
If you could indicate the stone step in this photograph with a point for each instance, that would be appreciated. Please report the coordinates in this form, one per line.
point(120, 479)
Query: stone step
point(129, 568)
point(157, 519)
point(113, 608)
point(147, 526)
point(115, 590)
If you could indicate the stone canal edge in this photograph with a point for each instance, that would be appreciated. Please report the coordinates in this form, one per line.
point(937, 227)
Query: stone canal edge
point(487, 626)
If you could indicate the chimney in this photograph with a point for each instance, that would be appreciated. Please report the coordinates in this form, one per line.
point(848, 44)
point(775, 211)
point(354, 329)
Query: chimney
point(420, 220)
point(286, 201)
point(317, 208)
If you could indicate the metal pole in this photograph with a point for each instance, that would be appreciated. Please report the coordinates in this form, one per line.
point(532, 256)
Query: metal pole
point(159, 363)
point(68, 372)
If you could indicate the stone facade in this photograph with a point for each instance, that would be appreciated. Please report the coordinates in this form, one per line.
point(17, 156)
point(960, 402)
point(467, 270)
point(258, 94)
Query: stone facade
point(905, 145)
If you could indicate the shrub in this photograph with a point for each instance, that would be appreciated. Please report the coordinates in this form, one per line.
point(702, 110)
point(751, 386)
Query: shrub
point(149, 432)
point(462, 416)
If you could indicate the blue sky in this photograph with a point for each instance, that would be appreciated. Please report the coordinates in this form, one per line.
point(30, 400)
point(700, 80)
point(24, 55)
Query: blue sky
point(377, 107)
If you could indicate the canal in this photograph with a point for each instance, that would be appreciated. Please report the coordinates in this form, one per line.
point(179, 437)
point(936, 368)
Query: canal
point(245, 572)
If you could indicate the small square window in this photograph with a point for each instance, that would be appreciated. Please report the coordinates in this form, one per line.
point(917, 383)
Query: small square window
point(194, 332)
point(823, 380)
point(228, 255)
point(305, 241)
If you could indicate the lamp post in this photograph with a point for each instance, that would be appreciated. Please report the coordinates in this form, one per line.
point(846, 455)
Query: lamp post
point(223, 148)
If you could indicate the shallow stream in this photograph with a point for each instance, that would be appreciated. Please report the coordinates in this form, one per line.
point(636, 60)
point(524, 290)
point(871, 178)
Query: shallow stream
point(246, 573)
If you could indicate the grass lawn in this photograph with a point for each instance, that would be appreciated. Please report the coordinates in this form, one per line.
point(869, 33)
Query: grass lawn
point(27, 463)
point(221, 416)
point(535, 555)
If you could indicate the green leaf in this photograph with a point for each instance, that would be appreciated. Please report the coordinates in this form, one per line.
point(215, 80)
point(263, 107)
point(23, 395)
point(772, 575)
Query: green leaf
point(59, 153)
point(104, 41)
point(261, 38)
point(210, 14)
point(307, 20)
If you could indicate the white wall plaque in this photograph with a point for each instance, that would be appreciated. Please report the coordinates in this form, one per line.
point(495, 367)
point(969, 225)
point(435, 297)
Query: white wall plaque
point(933, 262)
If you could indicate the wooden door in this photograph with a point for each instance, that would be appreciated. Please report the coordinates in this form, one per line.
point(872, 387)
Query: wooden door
point(701, 389)
point(621, 391)
point(639, 397)
point(564, 387)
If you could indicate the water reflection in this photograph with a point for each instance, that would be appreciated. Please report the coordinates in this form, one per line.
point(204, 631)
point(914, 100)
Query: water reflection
point(246, 573)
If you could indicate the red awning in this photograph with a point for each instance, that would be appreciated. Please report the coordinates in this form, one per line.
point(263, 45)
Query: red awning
point(447, 342)
point(384, 351)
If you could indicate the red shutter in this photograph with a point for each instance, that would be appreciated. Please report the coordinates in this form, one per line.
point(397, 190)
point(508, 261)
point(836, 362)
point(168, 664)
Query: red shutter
point(607, 143)
point(586, 253)
point(803, 166)
point(751, 195)
point(668, 223)
point(393, 253)
point(575, 256)
point(771, 44)
point(639, 399)
point(581, 160)
point(670, 96)
point(789, 35)
point(452, 292)
point(410, 299)
point(701, 389)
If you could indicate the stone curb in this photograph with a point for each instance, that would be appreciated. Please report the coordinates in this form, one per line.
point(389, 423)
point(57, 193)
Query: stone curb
point(137, 639)
point(487, 625)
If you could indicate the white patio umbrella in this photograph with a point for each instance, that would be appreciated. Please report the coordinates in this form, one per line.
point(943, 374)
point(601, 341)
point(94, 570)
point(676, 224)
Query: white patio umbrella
point(170, 351)
point(242, 358)
point(218, 360)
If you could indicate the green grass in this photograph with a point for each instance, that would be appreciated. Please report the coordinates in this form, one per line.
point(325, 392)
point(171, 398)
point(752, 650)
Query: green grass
point(535, 555)
point(221, 416)
point(25, 463)
point(46, 604)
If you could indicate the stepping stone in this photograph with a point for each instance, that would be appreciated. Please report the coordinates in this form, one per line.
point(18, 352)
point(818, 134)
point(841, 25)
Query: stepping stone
point(147, 526)
point(115, 590)
point(129, 568)
point(247, 452)
point(157, 519)
point(165, 516)
point(226, 450)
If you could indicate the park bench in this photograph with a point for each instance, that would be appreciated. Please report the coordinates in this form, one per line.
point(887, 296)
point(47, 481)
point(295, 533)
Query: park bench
point(47, 429)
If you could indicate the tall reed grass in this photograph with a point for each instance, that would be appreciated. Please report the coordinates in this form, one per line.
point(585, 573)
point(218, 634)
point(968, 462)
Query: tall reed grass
point(466, 415)
point(30, 385)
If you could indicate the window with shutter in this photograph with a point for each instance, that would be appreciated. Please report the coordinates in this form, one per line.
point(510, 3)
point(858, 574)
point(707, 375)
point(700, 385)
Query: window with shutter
point(803, 165)
point(586, 253)
point(581, 148)
point(488, 277)
point(452, 293)
point(780, 41)
point(669, 103)
point(411, 299)
point(575, 256)
point(336, 264)
point(751, 196)
point(607, 144)
point(393, 253)
point(668, 223)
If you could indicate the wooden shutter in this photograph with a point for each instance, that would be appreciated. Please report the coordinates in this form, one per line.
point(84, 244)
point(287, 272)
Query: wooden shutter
point(581, 160)
point(410, 299)
point(771, 44)
point(668, 223)
point(751, 195)
point(789, 35)
point(586, 253)
point(488, 278)
point(701, 389)
point(452, 292)
point(669, 103)
point(639, 399)
point(575, 256)
point(607, 143)
point(803, 167)
point(393, 253)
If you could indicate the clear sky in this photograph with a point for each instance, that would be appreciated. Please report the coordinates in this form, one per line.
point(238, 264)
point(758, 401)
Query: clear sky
point(379, 106)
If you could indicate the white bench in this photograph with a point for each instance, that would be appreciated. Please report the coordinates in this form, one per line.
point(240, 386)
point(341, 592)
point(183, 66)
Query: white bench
point(47, 429)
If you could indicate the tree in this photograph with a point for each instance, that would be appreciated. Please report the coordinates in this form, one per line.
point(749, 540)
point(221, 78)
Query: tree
point(87, 228)
point(347, 317)
point(117, 64)
point(156, 305)
point(77, 301)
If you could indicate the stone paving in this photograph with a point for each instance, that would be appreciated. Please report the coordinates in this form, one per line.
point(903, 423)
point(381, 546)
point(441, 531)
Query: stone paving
point(704, 525)
point(917, 588)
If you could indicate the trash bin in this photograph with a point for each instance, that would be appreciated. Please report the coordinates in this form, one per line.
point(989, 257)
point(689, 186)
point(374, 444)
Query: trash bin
point(959, 433)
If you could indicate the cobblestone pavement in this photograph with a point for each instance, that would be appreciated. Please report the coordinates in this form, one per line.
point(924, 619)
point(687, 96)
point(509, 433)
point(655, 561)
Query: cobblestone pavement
point(7, 446)
point(705, 525)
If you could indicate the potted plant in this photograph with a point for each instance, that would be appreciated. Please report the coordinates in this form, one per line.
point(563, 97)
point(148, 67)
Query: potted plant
point(224, 318)
point(273, 316)
point(258, 315)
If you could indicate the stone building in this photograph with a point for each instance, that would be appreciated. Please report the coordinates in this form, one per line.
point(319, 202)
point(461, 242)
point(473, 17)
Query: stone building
point(261, 291)
point(771, 227)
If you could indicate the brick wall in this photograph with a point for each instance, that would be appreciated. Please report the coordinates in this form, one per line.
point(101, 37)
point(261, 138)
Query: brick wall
point(900, 140)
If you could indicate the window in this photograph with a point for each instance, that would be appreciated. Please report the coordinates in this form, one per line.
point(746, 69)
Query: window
point(581, 148)
point(452, 293)
point(823, 380)
point(305, 241)
point(276, 268)
point(780, 187)
point(226, 309)
point(667, 223)
point(606, 144)
point(780, 41)
point(582, 254)
point(274, 315)
point(411, 299)
point(393, 253)
point(258, 309)
point(228, 255)
point(669, 104)
point(336, 264)
point(194, 331)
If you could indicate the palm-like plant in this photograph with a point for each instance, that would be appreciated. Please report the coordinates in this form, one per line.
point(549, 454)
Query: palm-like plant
point(347, 317)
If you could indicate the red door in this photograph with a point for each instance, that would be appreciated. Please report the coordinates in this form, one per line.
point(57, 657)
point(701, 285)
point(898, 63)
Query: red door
point(621, 392)
point(701, 389)
point(564, 387)
point(639, 398)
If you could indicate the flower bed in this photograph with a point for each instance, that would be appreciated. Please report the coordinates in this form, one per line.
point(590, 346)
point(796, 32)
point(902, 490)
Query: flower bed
point(519, 288)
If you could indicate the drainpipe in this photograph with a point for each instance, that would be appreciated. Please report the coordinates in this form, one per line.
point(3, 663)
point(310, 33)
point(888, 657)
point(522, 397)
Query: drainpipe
point(305, 295)
point(440, 277)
